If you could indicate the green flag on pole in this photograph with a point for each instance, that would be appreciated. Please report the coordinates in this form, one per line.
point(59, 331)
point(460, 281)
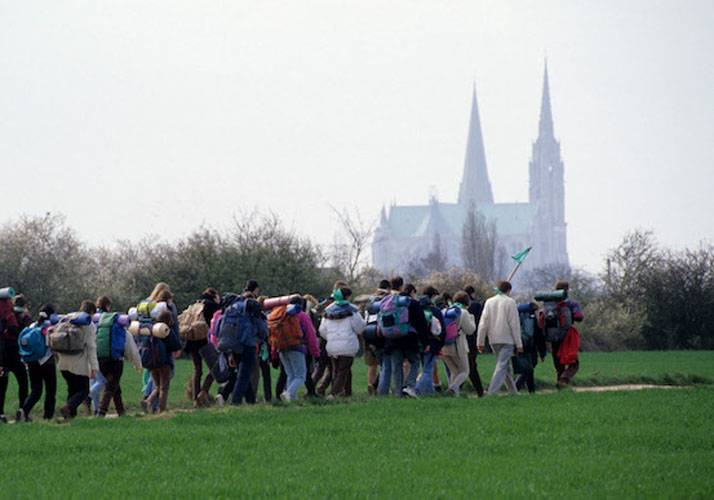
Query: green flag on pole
point(520, 256)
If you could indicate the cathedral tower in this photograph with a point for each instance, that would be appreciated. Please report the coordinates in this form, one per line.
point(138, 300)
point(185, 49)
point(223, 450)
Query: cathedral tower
point(475, 186)
point(547, 191)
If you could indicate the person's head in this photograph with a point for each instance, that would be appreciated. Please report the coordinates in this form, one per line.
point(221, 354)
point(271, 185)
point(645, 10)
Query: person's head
point(431, 292)
point(504, 287)
point(346, 293)
point(88, 307)
point(410, 289)
point(165, 317)
point(439, 301)
point(385, 285)
point(160, 287)
point(462, 298)
point(447, 297)
point(261, 299)
point(562, 285)
point(535, 305)
point(339, 284)
point(46, 310)
point(251, 286)
point(165, 296)
point(397, 283)
point(20, 302)
point(104, 303)
point(470, 290)
point(212, 292)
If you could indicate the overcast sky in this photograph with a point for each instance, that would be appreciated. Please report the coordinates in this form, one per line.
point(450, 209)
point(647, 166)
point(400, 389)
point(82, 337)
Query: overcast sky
point(136, 117)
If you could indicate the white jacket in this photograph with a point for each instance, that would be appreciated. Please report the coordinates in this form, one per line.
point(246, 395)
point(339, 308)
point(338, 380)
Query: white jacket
point(499, 322)
point(342, 334)
point(131, 352)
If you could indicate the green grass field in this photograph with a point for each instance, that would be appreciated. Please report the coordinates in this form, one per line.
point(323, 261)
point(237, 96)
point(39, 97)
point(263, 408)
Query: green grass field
point(646, 444)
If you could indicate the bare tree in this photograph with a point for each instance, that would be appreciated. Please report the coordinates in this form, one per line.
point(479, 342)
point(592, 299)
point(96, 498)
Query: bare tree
point(351, 242)
point(480, 249)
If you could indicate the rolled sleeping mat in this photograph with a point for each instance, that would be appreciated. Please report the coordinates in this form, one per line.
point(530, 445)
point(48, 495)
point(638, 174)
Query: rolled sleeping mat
point(278, 301)
point(135, 329)
point(551, 295)
point(76, 318)
point(371, 333)
point(133, 314)
point(122, 319)
point(7, 292)
point(160, 330)
point(452, 312)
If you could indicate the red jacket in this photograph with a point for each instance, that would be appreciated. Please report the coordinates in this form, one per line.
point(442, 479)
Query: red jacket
point(568, 351)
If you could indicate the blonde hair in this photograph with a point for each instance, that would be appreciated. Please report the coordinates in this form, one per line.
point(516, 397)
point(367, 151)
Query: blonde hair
point(160, 287)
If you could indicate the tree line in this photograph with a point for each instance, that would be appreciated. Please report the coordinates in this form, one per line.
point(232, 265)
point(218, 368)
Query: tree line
point(646, 296)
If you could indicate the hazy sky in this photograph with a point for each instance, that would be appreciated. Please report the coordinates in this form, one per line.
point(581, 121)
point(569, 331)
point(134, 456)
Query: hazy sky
point(136, 117)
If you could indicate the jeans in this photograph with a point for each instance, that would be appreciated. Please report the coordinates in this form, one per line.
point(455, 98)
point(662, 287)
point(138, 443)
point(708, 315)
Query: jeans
point(503, 370)
point(425, 385)
point(392, 366)
point(96, 385)
point(295, 369)
point(242, 389)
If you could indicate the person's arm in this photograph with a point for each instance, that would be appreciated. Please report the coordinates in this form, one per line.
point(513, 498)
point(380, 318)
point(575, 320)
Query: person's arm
point(358, 324)
point(576, 311)
point(91, 345)
point(467, 324)
point(418, 321)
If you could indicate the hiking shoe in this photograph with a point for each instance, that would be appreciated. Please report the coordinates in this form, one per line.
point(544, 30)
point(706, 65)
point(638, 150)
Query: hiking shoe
point(330, 397)
point(284, 396)
point(21, 417)
point(87, 407)
point(220, 400)
point(3, 419)
point(450, 392)
point(371, 390)
point(145, 406)
point(66, 412)
point(561, 384)
point(409, 391)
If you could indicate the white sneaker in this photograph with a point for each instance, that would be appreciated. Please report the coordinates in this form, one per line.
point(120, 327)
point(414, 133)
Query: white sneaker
point(330, 397)
point(409, 391)
point(220, 400)
point(285, 396)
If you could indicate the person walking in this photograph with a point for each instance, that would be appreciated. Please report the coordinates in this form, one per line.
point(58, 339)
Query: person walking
point(455, 354)
point(500, 323)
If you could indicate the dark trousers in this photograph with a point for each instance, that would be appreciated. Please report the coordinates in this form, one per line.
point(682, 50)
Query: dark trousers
point(473, 372)
point(525, 379)
point(112, 370)
point(243, 389)
point(564, 373)
point(42, 374)
point(77, 390)
point(13, 363)
point(342, 376)
point(198, 373)
point(264, 367)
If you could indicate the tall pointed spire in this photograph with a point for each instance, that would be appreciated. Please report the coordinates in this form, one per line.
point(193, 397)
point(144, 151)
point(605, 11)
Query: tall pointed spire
point(545, 127)
point(475, 186)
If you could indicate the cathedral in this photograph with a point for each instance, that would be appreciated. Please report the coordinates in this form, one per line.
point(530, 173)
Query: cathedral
point(407, 233)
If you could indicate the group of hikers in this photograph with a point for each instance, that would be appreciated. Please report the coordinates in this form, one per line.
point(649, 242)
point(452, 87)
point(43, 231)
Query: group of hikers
point(401, 333)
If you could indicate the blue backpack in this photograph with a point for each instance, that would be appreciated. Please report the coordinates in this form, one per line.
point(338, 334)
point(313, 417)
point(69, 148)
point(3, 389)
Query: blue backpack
point(528, 320)
point(234, 327)
point(32, 344)
point(153, 352)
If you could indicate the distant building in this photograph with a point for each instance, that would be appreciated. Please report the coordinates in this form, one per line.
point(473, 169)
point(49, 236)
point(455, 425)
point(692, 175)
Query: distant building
point(409, 232)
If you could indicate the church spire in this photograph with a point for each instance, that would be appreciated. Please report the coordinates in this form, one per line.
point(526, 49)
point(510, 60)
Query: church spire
point(475, 186)
point(545, 127)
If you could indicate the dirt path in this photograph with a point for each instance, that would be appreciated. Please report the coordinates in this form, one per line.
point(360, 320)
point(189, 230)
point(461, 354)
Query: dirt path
point(626, 387)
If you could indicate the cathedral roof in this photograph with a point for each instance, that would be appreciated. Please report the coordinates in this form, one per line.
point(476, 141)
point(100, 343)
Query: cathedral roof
point(512, 219)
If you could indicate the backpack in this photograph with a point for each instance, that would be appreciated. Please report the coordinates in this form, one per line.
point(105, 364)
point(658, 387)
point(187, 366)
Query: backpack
point(111, 337)
point(528, 322)
point(557, 319)
point(153, 352)
point(451, 320)
point(393, 316)
point(8, 319)
point(213, 330)
point(284, 329)
point(32, 344)
point(371, 333)
point(192, 323)
point(233, 326)
point(66, 337)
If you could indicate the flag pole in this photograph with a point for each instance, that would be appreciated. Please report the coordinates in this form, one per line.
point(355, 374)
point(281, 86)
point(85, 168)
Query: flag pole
point(518, 264)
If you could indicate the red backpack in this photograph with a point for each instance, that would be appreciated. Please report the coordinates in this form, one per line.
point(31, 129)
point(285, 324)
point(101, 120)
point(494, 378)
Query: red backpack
point(283, 329)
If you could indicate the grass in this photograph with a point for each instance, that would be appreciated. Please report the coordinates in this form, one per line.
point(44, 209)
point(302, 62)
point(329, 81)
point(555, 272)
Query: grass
point(643, 444)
